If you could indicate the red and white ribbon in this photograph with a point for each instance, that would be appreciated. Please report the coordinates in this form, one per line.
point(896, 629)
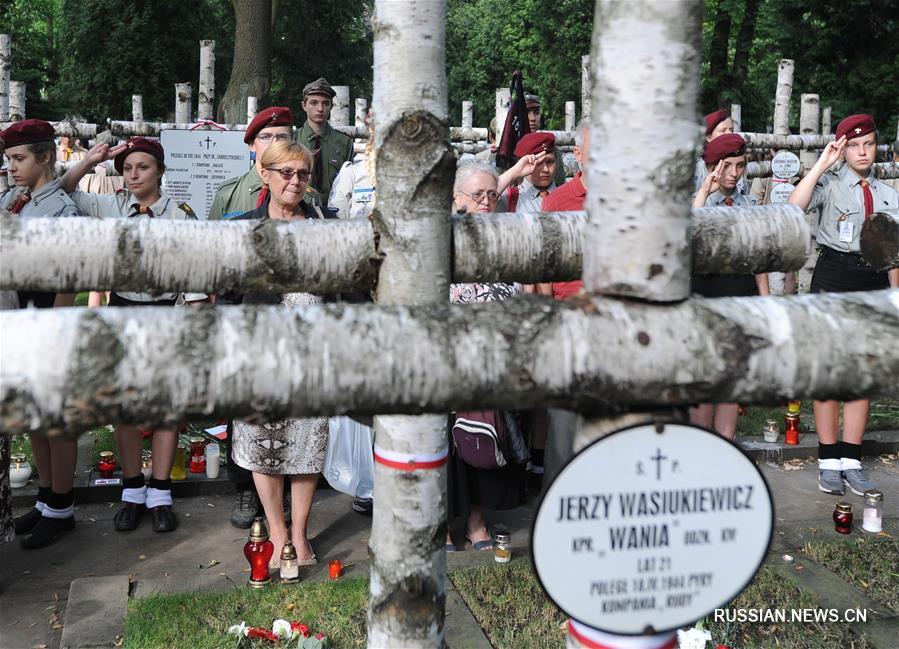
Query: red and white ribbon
point(592, 639)
point(411, 461)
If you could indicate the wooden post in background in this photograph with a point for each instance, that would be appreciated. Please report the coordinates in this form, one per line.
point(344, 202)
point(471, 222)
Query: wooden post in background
point(206, 89)
point(17, 100)
point(361, 111)
point(777, 281)
point(825, 121)
point(586, 86)
point(570, 115)
point(503, 97)
point(5, 71)
point(340, 111)
point(137, 108)
point(252, 108)
point(183, 101)
point(467, 114)
point(736, 116)
point(809, 114)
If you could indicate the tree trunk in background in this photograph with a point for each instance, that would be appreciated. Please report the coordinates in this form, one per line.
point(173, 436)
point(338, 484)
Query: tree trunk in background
point(718, 50)
point(251, 71)
point(743, 46)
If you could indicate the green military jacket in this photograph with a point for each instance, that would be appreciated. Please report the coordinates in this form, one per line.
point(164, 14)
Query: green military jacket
point(337, 148)
point(239, 195)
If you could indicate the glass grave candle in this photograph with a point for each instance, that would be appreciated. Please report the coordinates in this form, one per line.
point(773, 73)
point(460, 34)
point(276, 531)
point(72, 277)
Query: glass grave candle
point(842, 517)
point(258, 550)
point(19, 470)
point(106, 464)
point(197, 455)
point(872, 518)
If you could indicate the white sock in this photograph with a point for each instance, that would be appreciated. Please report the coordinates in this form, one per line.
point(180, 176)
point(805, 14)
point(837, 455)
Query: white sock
point(38, 505)
point(138, 495)
point(830, 463)
point(850, 464)
point(67, 512)
point(158, 497)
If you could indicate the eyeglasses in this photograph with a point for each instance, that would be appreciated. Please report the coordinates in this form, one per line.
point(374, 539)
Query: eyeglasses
point(477, 197)
point(277, 137)
point(288, 174)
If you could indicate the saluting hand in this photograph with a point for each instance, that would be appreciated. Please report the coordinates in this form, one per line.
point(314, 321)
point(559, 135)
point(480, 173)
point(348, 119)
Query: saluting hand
point(712, 182)
point(102, 152)
point(527, 164)
point(832, 152)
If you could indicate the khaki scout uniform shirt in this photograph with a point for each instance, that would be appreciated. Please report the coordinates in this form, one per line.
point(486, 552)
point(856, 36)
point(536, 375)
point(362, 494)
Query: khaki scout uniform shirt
point(240, 194)
point(49, 200)
point(336, 147)
point(124, 205)
point(838, 198)
point(717, 198)
point(530, 201)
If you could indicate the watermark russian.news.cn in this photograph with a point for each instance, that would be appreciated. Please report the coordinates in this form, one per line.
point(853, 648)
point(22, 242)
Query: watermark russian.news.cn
point(801, 615)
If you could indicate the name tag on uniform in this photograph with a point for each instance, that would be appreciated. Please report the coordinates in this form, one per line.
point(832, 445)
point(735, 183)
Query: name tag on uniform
point(847, 228)
point(363, 195)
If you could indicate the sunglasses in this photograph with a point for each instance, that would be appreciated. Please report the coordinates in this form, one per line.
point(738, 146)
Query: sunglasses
point(288, 174)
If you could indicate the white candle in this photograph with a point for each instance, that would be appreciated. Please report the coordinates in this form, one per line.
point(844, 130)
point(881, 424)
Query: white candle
point(873, 520)
point(212, 460)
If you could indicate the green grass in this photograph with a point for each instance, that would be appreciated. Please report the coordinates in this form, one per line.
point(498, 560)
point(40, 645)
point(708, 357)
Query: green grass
point(869, 562)
point(104, 440)
point(201, 620)
point(510, 606)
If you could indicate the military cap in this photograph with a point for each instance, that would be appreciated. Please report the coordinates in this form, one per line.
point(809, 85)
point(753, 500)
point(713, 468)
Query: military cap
point(274, 116)
point(713, 119)
point(319, 87)
point(535, 143)
point(142, 144)
point(856, 126)
point(726, 145)
point(27, 131)
point(531, 100)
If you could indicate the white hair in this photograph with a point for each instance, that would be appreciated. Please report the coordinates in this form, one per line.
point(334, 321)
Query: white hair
point(469, 169)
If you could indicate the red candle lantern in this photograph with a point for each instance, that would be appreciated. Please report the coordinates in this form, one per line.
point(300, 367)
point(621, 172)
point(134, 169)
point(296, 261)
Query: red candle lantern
point(258, 550)
point(197, 455)
point(335, 569)
point(106, 464)
point(842, 518)
point(791, 428)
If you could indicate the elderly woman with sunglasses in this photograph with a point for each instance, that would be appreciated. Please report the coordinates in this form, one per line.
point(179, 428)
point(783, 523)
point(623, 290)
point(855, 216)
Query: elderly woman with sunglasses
point(288, 447)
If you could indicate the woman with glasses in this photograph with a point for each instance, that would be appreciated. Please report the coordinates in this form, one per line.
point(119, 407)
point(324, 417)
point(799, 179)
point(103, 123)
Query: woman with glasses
point(472, 490)
point(287, 447)
point(141, 162)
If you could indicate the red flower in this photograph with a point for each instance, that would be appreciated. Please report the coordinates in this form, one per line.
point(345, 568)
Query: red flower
point(721, 646)
point(319, 636)
point(255, 633)
point(301, 628)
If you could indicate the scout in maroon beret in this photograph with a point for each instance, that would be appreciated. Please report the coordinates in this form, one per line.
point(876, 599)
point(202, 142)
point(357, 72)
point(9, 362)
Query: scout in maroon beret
point(28, 131)
point(724, 146)
point(533, 143)
point(140, 144)
point(718, 123)
point(274, 116)
point(725, 160)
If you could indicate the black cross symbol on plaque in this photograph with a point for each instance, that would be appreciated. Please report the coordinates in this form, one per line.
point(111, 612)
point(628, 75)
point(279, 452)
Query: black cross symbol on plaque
point(208, 140)
point(657, 458)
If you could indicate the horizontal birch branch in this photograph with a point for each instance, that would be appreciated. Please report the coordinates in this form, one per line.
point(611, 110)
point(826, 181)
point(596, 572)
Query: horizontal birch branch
point(51, 254)
point(72, 369)
point(762, 169)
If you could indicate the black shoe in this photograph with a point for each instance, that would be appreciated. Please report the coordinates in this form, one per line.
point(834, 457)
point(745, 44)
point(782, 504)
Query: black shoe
point(128, 517)
point(363, 506)
point(26, 522)
point(246, 505)
point(164, 519)
point(47, 531)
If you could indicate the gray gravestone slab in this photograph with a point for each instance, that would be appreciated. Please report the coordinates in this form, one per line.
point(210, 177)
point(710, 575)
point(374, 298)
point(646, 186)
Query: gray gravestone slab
point(95, 614)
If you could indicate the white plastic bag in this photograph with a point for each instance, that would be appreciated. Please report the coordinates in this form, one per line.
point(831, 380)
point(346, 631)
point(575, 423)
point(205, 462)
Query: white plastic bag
point(349, 463)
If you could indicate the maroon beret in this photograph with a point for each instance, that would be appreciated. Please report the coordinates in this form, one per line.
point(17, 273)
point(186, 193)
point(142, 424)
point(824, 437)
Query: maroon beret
point(274, 116)
point(725, 145)
point(144, 144)
point(713, 119)
point(856, 126)
point(535, 143)
point(27, 131)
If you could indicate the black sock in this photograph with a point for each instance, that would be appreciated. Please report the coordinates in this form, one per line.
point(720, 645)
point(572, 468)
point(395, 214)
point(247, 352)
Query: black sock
point(851, 451)
point(537, 456)
point(162, 485)
point(134, 483)
point(829, 451)
point(61, 501)
point(42, 494)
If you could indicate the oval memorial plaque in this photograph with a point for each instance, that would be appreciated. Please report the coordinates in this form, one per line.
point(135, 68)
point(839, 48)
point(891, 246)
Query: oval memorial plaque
point(652, 529)
point(780, 192)
point(785, 165)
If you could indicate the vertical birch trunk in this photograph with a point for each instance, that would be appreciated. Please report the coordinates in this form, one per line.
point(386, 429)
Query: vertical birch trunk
point(252, 108)
point(641, 248)
point(586, 86)
point(8, 300)
point(5, 70)
point(467, 115)
point(340, 111)
point(570, 116)
point(825, 121)
point(503, 97)
point(361, 110)
point(782, 127)
point(206, 89)
point(736, 116)
point(415, 166)
point(16, 100)
point(809, 108)
point(137, 108)
point(183, 103)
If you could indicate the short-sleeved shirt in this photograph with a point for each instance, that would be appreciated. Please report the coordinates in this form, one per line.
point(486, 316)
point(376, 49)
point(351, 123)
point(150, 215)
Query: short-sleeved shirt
point(48, 200)
point(336, 148)
point(124, 205)
point(530, 198)
point(567, 198)
point(838, 200)
point(353, 194)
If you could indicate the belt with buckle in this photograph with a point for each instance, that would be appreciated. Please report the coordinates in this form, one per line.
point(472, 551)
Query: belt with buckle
point(845, 258)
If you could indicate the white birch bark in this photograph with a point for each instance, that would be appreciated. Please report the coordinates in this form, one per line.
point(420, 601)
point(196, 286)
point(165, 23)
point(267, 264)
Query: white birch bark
point(809, 117)
point(882, 170)
point(467, 114)
point(183, 102)
point(641, 50)
point(586, 85)
point(501, 109)
point(361, 112)
point(137, 108)
point(8, 300)
point(570, 116)
point(415, 170)
point(736, 116)
point(880, 240)
point(206, 89)
point(782, 97)
point(252, 108)
point(825, 120)
point(340, 110)
point(79, 368)
point(17, 100)
point(48, 254)
point(5, 70)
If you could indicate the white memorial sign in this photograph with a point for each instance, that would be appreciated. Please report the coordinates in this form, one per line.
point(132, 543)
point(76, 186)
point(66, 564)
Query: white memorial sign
point(780, 192)
point(197, 162)
point(785, 165)
point(647, 529)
